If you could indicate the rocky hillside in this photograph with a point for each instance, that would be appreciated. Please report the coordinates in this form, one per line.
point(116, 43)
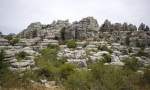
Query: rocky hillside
point(89, 29)
point(82, 55)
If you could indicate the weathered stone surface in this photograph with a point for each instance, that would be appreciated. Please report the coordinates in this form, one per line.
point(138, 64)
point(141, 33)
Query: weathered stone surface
point(76, 54)
point(49, 31)
point(85, 28)
point(79, 62)
point(98, 55)
point(115, 58)
point(4, 42)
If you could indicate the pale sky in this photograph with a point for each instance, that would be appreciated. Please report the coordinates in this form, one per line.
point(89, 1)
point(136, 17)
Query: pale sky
point(16, 15)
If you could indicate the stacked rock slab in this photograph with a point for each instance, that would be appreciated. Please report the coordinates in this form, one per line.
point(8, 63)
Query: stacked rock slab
point(85, 28)
point(44, 31)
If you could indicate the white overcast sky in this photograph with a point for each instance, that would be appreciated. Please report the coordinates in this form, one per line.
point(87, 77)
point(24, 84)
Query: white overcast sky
point(16, 15)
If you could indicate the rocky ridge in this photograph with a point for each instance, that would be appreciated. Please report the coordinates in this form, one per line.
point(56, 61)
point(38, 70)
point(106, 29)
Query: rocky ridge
point(121, 41)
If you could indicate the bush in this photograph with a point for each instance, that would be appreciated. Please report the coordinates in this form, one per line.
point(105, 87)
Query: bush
point(48, 72)
point(65, 70)
point(14, 41)
point(146, 76)
point(132, 64)
point(62, 32)
point(6, 74)
point(9, 37)
point(142, 53)
point(79, 80)
point(21, 55)
point(104, 48)
point(71, 44)
point(127, 40)
point(3, 65)
point(51, 68)
point(108, 77)
point(130, 50)
point(107, 58)
point(51, 46)
point(2, 55)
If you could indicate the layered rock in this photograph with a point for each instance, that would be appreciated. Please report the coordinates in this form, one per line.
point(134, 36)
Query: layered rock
point(4, 42)
point(88, 29)
point(49, 31)
point(23, 64)
point(85, 28)
point(125, 34)
point(31, 30)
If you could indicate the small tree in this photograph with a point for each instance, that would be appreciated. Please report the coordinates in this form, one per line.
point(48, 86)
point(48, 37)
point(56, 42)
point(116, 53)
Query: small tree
point(63, 33)
point(147, 28)
point(141, 27)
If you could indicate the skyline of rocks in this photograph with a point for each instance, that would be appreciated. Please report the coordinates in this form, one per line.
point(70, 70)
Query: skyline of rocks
point(124, 24)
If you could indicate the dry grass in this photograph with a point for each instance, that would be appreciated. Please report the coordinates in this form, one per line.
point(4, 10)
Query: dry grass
point(35, 87)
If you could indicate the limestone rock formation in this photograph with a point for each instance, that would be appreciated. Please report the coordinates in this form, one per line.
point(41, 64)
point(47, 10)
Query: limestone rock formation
point(44, 31)
point(85, 28)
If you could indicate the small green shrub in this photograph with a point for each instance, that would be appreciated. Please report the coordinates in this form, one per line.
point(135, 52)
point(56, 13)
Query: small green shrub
point(142, 53)
point(21, 55)
point(65, 70)
point(107, 58)
point(104, 48)
point(130, 50)
point(146, 76)
point(79, 80)
point(52, 46)
point(71, 44)
point(3, 65)
point(132, 64)
point(14, 41)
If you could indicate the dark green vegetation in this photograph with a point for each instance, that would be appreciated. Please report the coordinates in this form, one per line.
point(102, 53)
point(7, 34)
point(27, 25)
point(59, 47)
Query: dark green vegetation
point(96, 77)
point(132, 64)
point(52, 68)
point(71, 44)
point(101, 77)
point(104, 48)
point(12, 39)
point(21, 55)
point(8, 79)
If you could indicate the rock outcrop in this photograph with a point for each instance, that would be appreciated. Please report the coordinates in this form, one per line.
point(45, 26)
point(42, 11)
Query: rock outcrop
point(84, 29)
point(88, 29)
